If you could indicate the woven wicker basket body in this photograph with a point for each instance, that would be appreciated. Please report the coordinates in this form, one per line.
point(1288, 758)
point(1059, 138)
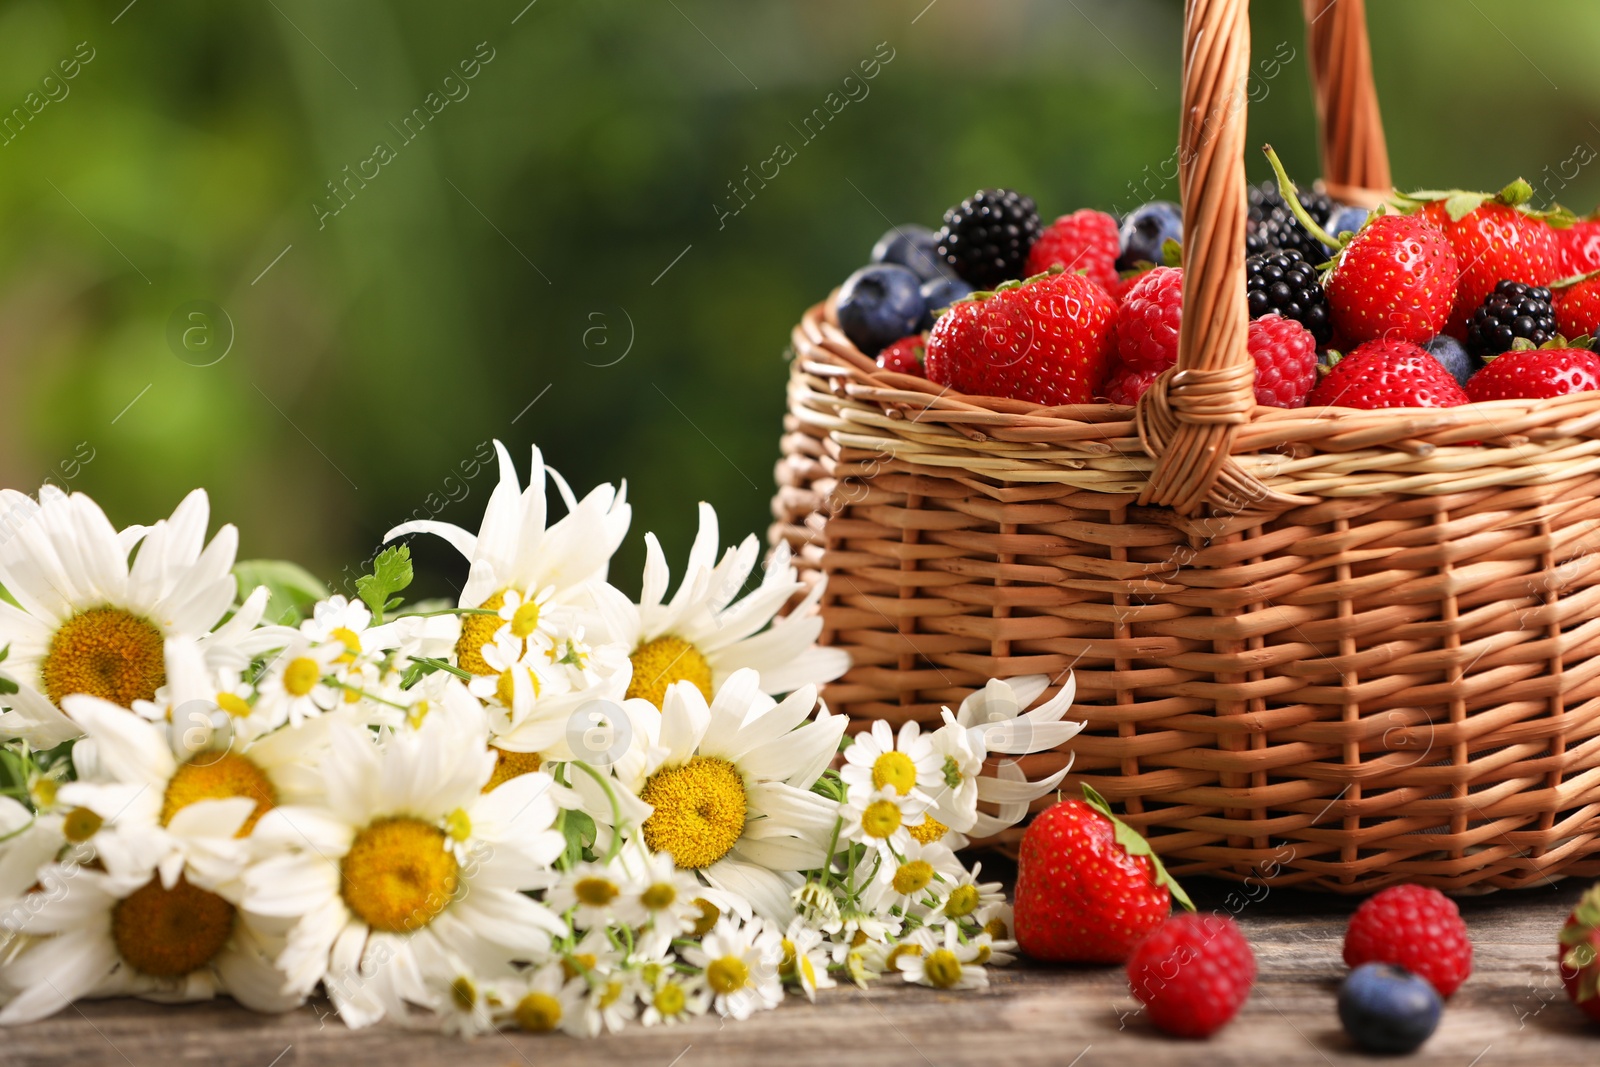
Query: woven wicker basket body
point(1332, 648)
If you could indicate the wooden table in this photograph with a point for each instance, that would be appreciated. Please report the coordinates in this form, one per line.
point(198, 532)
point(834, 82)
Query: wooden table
point(1512, 1011)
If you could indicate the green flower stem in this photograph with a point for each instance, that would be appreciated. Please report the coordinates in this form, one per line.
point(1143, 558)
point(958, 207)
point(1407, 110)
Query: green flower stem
point(616, 808)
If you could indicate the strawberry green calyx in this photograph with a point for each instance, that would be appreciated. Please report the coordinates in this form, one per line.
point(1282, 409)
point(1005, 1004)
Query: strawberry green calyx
point(1578, 938)
point(1135, 844)
point(1576, 279)
point(1459, 203)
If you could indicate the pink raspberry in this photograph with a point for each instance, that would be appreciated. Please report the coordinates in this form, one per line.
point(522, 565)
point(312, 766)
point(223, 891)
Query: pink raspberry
point(1085, 240)
point(1147, 321)
point(1286, 361)
point(1192, 974)
point(1413, 927)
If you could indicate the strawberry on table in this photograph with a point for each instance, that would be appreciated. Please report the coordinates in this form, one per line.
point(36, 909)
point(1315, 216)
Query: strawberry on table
point(1579, 954)
point(1087, 241)
point(1387, 374)
point(1531, 373)
point(1089, 888)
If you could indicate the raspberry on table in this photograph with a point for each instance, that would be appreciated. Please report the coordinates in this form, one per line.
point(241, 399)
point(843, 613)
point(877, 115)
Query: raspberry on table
point(1192, 974)
point(1413, 927)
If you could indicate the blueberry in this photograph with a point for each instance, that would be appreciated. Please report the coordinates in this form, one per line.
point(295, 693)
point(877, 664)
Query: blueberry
point(941, 293)
point(1346, 218)
point(1453, 354)
point(913, 247)
point(1146, 229)
point(880, 304)
point(1387, 1009)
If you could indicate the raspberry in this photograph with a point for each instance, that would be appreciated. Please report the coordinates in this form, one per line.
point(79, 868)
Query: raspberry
point(1413, 927)
point(1192, 974)
point(904, 356)
point(1147, 321)
point(1126, 386)
point(1086, 241)
point(1286, 361)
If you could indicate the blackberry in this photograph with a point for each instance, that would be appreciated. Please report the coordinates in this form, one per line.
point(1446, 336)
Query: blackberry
point(986, 237)
point(1273, 227)
point(1513, 310)
point(1283, 282)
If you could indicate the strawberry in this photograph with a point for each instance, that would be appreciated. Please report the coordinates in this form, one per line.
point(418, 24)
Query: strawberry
point(1536, 372)
point(1387, 374)
point(1580, 247)
point(1048, 339)
point(1579, 954)
point(1089, 888)
point(1086, 241)
point(1396, 279)
point(904, 356)
point(1147, 320)
point(1578, 308)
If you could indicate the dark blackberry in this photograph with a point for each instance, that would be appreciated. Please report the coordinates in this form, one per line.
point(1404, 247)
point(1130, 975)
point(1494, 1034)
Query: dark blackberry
point(1513, 310)
point(1273, 227)
point(986, 237)
point(1283, 282)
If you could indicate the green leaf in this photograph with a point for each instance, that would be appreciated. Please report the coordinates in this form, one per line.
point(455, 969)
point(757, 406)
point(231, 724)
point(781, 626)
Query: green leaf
point(1135, 845)
point(1171, 253)
point(391, 573)
point(293, 588)
point(1516, 194)
point(1459, 205)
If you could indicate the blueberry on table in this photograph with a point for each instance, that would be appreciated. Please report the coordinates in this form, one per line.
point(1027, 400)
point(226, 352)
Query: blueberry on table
point(939, 294)
point(914, 247)
point(1388, 1009)
point(1146, 228)
point(880, 304)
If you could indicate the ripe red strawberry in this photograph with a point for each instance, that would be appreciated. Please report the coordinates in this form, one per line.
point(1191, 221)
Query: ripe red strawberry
point(1286, 361)
point(1125, 385)
point(1048, 339)
point(1387, 374)
point(1580, 248)
point(1396, 279)
point(1147, 321)
point(1089, 888)
point(1495, 241)
point(1579, 954)
point(1414, 927)
point(904, 356)
point(1085, 241)
point(1578, 309)
point(1536, 372)
point(1193, 974)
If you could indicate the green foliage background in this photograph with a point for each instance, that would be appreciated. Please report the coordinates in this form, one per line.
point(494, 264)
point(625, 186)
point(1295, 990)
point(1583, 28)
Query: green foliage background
point(378, 354)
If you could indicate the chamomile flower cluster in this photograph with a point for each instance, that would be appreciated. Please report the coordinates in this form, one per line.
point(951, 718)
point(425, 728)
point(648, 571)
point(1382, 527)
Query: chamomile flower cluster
point(546, 806)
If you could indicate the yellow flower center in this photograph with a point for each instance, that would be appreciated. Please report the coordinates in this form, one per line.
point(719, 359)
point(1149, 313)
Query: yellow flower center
point(301, 676)
point(706, 921)
point(168, 933)
point(458, 825)
point(880, 819)
point(105, 652)
point(398, 876)
point(218, 776)
point(659, 896)
point(667, 659)
point(728, 974)
point(669, 999)
point(984, 952)
point(463, 994)
point(233, 704)
point(44, 792)
point(477, 631)
point(913, 877)
point(928, 830)
point(595, 892)
point(505, 689)
point(786, 964)
point(963, 901)
point(894, 769)
point(611, 993)
point(80, 824)
point(509, 765)
point(538, 1013)
point(899, 952)
point(576, 964)
point(942, 968)
point(997, 929)
point(525, 619)
point(348, 638)
point(699, 811)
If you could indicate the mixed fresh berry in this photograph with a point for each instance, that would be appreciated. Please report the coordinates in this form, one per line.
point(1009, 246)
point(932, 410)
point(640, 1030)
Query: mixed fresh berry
point(986, 238)
point(1283, 283)
point(1554, 370)
point(1192, 974)
point(1387, 374)
point(905, 355)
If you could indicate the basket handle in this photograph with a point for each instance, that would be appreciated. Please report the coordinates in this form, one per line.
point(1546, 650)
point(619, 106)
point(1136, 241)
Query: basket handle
point(1188, 417)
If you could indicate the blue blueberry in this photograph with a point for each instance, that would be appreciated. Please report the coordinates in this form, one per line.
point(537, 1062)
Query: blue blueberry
point(941, 293)
point(913, 247)
point(1346, 218)
point(1146, 229)
point(880, 304)
point(1453, 354)
point(1387, 1009)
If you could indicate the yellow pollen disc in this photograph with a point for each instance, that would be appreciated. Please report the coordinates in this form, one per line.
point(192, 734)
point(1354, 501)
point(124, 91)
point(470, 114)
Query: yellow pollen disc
point(348, 638)
point(881, 818)
point(963, 901)
point(858, 938)
point(997, 929)
point(525, 619)
point(105, 652)
point(659, 896)
point(707, 920)
point(942, 968)
point(44, 792)
point(509, 765)
point(233, 704)
point(213, 776)
point(699, 811)
point(477, 631)
point(168, 933)
point(574, 965)
point(505, 689)
point(728, 974)
point(928, 830)
point(458, 824)
point(894, 769)
point(463, 993)
point(537, 1013)
point(899, 952)
point(669, 999)
point(984, 952)
point(301, 676)
point(913, 877)
point(786, 964)
point(398, 876)
point(80, 824)
point(612, 991)
point(659, 663)
point(595, 892)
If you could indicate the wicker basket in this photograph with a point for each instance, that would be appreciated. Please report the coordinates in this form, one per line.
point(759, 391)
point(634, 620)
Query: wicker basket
point(1330, 648)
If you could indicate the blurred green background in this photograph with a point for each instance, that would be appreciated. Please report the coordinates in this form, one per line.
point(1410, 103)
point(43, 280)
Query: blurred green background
point(553, 256)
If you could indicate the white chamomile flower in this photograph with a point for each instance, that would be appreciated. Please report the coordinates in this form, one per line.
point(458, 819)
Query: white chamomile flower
point(730, 791)
point(546, 1000)
point(670, 998)
point(338, 619)
point(877, 759)
point(966, 895)
point(465, 1006)
point(408, 870)
point(666, 895)
point(996, 920)
point(515, 679)
point(739, 966)
point(30, 841)
point(516, 550)
point(920, 870)
point(597, 895)
point(532, 619)
point(584, 665)
point(295, 686)
point(944, 963)
point(85, 619)
point(881, 819)
point(703, 635)
point(614, 1000)
point(804, 963)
